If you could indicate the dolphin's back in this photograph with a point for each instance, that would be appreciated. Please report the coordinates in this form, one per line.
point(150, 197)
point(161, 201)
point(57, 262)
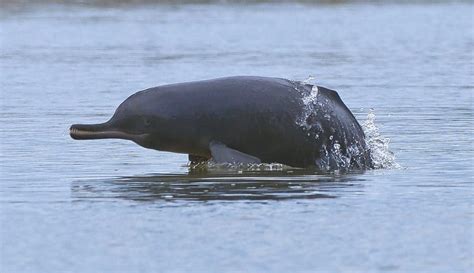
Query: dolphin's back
point(222, 95)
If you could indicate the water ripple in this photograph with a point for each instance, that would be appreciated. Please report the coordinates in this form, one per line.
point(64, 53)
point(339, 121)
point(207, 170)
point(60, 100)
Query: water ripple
point(258, 185)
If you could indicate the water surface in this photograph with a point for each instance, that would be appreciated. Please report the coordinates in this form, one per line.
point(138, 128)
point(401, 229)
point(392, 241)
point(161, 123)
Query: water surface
point(97, 206)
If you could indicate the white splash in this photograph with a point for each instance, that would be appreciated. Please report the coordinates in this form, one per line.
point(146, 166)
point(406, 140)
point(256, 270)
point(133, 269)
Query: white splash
point(309, 80)
point(380, 153)
point(309, 104)
point(311, 99)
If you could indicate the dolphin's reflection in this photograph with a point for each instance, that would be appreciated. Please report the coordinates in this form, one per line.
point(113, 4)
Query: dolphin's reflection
point(219, 186)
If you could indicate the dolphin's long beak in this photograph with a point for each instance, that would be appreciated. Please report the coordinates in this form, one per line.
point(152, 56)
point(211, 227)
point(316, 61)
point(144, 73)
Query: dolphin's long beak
point(98, 131)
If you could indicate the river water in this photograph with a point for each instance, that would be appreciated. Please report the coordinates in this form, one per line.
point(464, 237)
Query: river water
point(112, 206)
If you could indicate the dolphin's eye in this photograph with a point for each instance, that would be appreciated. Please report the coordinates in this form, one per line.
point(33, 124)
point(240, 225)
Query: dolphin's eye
point(147, 121)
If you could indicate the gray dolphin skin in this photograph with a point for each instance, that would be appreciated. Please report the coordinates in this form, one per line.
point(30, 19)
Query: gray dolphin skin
point(242, 119)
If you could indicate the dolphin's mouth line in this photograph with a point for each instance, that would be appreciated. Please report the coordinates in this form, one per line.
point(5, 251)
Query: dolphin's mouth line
point(80, 134)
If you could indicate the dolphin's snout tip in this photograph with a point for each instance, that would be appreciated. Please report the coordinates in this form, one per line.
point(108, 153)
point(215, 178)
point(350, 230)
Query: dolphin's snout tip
point(81, 131)
point(73, 131)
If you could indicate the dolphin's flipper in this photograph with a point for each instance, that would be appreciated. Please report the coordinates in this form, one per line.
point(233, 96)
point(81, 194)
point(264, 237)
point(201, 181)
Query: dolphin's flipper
point(223, 154)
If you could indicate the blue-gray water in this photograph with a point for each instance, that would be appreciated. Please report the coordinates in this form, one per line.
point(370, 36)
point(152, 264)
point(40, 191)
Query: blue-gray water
point(112, 206)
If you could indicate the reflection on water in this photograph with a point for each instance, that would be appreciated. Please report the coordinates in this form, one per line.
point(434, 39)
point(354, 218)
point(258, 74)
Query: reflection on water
point(219, 186)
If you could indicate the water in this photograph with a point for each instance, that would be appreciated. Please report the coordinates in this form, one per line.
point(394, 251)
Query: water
point(97, 206)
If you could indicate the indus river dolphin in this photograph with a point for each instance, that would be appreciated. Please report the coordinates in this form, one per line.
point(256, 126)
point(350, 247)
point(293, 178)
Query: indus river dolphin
point(241, 119)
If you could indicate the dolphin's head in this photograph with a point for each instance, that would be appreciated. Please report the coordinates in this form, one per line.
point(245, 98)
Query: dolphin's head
point(135, 119)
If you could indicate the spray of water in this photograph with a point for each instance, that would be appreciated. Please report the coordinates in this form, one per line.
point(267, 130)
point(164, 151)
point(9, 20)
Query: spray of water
point(381, 155)
point(309, 80)
point(309, 102)
point(378, 145)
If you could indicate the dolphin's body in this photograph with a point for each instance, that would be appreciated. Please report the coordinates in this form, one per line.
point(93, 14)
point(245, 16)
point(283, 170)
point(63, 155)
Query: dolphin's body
point(242, 120)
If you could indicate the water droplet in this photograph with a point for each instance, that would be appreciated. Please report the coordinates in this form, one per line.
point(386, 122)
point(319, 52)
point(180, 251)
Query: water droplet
point(308, 80)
